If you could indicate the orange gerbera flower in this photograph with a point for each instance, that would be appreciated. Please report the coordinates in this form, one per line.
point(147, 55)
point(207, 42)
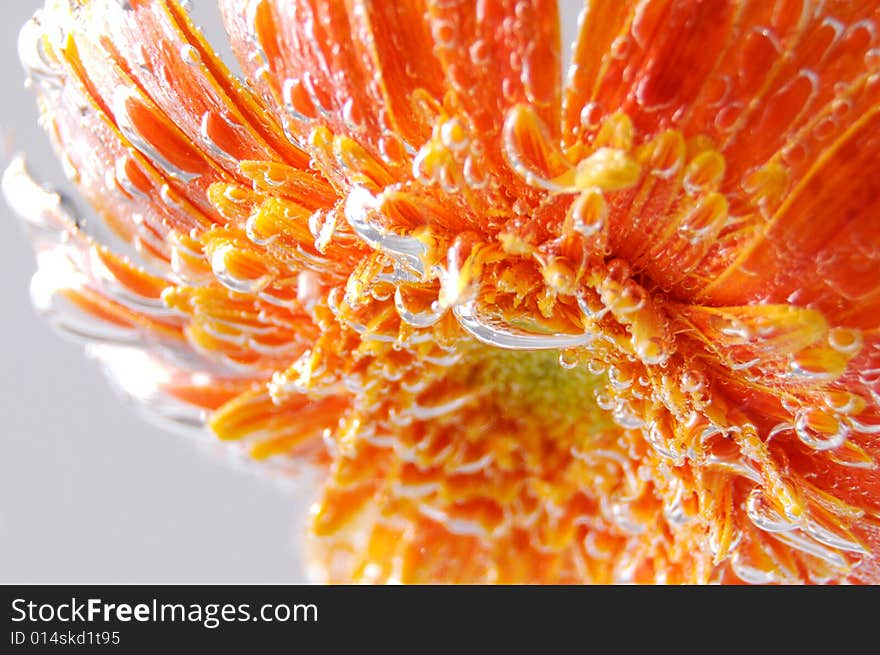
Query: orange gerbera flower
point(620, 329)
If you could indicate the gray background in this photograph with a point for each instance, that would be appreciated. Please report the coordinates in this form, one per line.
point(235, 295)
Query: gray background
point(89, 492)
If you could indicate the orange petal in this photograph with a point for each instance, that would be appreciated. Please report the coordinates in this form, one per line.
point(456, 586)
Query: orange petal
point(815, 248)
point(303, 57)
point(495, 55)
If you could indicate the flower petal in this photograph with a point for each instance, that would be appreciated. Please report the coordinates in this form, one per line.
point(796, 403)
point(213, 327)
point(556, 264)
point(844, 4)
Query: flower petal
point(345, 65)
point(495, 55)
point(816, 248)
point(771, 93)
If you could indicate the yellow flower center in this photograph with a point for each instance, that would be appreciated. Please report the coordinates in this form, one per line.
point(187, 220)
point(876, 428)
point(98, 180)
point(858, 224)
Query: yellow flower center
point(540, 388)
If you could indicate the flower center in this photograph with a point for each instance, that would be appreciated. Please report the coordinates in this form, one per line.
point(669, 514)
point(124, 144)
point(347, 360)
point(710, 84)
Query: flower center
point(539, 388)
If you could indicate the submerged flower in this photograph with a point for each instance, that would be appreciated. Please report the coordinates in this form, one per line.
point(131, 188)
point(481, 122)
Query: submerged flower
point(623, 328)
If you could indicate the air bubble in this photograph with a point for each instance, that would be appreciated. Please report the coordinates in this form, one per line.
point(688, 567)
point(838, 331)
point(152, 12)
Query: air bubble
point(704, 172)
point(705, 220)
point(495, 332)
point(619, 379)
point(591, 116)
point(819, 430)
point(631, 300)
point(692, 381)
point(589, 212)
point(407, 251)
point(845, 340)
point(569, 358)
point(454, 135)
point(762, 513)
point(189, 55)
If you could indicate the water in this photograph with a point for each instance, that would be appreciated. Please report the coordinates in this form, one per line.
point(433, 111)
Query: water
point(407, 251)
point(493, 332)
